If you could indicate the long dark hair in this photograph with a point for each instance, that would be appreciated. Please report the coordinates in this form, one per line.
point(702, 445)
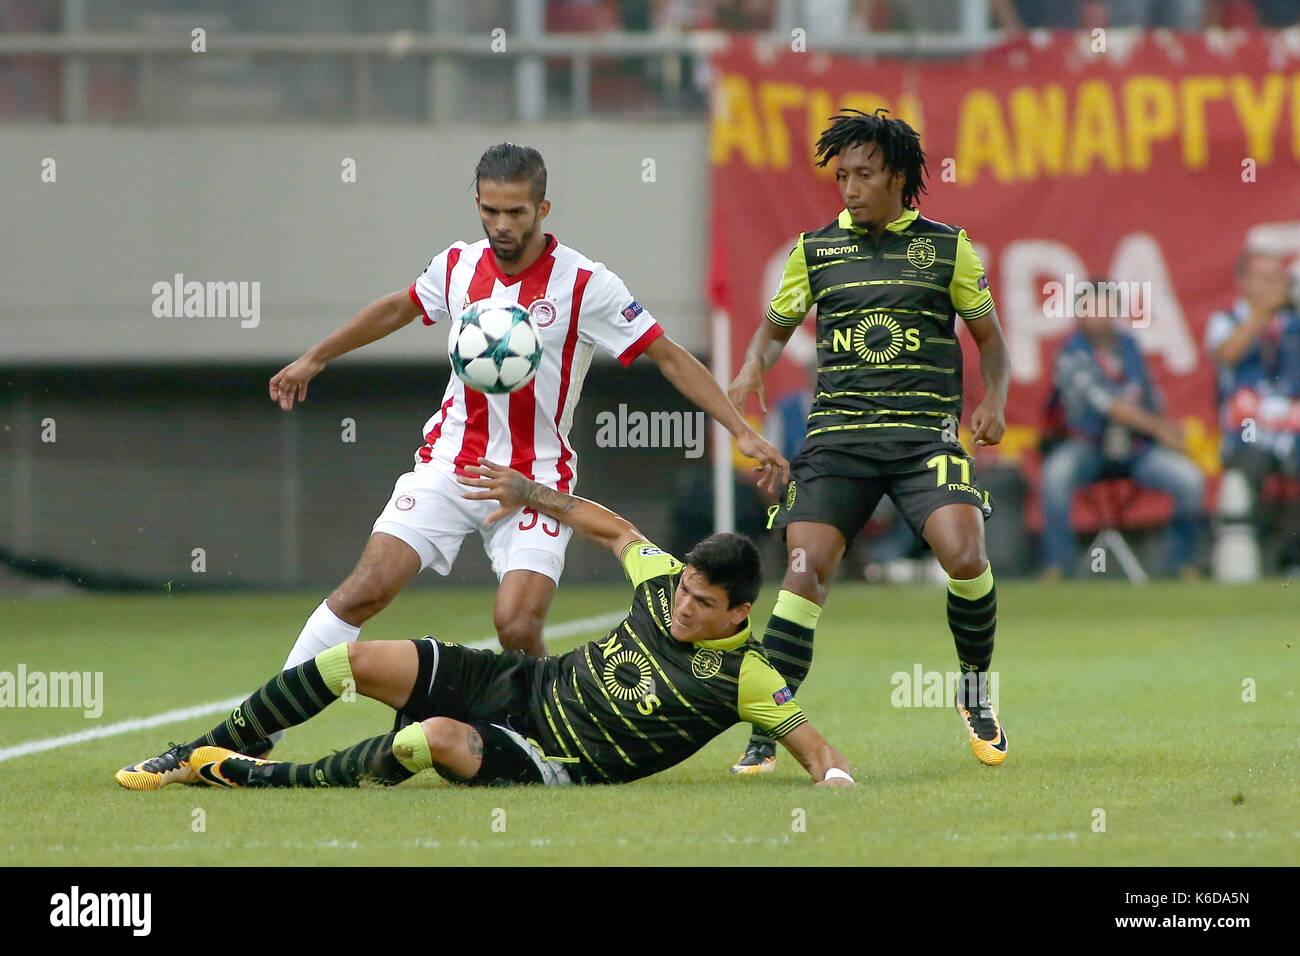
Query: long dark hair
point(899, 145)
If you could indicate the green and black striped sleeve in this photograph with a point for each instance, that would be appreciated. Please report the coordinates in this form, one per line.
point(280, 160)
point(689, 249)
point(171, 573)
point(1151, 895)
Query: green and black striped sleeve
point(970, 286)
point(642, 561)
point(765, 700)
point(793, 297)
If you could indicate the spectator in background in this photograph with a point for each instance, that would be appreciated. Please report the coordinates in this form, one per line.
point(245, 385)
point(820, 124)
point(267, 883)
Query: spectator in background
point(29, 85)
point(1277, 13)
point(742, 16)
point(829, 20)
point(733, 16)
point(1153, 14)
point(1256, 346)
point(1115, 428)
point(1015, 15)
point(1269, 14)
point(636, 16)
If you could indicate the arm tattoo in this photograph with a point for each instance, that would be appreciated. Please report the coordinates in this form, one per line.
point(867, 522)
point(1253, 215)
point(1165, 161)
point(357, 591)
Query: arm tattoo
point(547, 499)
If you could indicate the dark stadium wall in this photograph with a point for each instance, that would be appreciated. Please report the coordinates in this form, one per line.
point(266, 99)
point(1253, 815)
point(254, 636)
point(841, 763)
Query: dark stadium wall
point(149, 463)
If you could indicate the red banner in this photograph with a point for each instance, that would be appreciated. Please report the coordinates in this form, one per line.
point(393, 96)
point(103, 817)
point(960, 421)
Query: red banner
point(1142, 158)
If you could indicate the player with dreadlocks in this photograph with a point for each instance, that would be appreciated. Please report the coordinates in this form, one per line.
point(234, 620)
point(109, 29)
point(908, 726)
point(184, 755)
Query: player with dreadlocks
point(888, 285)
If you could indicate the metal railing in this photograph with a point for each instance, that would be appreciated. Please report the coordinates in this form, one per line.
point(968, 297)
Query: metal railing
point(526, 55)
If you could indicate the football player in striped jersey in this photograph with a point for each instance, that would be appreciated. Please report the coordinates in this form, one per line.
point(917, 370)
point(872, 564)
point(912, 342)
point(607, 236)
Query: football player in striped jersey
point(579, 306)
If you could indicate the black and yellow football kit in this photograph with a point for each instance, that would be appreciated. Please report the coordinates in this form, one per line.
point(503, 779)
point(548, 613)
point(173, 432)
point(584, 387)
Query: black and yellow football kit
point(628, 705)
point(884, 420)
point(885, 415)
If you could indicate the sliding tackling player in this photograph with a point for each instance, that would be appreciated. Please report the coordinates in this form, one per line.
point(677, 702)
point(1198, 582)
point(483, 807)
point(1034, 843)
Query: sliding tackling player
point(678, 671)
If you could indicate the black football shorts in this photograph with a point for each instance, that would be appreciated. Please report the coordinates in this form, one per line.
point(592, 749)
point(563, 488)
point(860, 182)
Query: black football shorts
point(489, 691)
point(918, 485)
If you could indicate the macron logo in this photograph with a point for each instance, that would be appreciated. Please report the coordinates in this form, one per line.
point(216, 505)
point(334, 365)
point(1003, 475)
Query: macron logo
point(103, 909)
point(836, 250)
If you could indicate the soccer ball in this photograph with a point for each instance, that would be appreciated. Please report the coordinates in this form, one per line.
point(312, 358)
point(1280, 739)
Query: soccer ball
point(495, 346)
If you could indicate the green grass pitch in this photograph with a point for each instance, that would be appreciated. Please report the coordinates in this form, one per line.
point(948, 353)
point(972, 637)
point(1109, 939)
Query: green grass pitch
point(1117, 700)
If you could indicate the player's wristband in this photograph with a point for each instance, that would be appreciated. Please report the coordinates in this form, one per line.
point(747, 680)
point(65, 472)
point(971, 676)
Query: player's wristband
point(835, 773)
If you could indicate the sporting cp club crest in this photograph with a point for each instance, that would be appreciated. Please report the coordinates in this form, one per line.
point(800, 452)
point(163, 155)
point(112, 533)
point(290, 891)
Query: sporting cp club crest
point(920, 253)
point(705, 662)
point(543, 312)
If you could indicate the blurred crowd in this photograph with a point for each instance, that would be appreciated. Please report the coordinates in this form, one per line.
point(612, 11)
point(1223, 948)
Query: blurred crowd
point(851, 16)
point(848, 17)
point(1107, 422)
point(326, 88)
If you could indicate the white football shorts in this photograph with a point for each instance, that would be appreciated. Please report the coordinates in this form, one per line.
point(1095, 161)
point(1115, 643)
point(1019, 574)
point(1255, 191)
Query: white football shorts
point(427, 511)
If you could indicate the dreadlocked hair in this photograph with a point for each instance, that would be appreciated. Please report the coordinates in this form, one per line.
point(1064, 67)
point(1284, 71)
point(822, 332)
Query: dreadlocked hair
point(900, 147)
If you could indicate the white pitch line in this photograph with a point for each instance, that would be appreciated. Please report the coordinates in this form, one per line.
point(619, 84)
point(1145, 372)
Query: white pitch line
point(567, 629)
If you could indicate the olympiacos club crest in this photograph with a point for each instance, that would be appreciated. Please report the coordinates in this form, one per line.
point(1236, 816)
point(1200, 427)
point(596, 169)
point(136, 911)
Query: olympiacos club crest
point(543, 312)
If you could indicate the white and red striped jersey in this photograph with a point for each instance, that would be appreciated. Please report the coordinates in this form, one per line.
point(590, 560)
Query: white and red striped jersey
point(578, 305)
